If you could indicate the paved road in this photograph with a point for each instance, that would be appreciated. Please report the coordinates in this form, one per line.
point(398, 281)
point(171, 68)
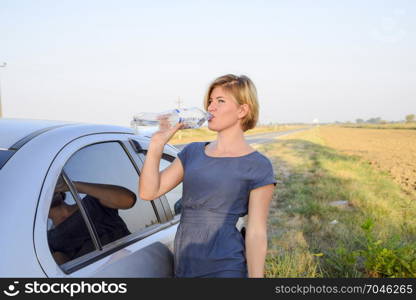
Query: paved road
point(260, 138)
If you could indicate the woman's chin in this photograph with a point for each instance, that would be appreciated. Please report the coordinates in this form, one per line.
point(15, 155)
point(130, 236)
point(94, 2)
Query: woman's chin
point(211, 128)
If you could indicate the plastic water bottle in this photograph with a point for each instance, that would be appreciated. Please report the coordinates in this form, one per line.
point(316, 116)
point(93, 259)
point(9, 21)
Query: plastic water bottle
point(191, 117)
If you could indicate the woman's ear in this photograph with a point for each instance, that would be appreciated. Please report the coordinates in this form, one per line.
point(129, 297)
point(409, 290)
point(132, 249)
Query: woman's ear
point(243, 111)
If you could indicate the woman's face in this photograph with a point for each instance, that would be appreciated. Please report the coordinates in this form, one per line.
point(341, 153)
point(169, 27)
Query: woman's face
point(224, 108)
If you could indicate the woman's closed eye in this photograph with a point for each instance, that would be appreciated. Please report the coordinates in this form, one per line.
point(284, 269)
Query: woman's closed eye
point(219, 100)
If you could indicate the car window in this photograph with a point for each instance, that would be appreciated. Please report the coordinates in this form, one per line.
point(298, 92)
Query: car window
point(106, 182)
point(175, 195)
point(64, 244)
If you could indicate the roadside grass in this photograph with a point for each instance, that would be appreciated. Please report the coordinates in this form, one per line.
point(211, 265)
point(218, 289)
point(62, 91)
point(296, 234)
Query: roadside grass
point(204, 134)
point(373, 234)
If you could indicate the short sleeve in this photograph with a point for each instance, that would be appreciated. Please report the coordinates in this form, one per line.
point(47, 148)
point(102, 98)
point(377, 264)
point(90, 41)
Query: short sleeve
point(96, 209)
point(264, 175)
point(184, 154)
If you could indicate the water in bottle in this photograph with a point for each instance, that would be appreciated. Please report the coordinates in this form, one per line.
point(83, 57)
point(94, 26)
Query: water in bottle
point(191, 117)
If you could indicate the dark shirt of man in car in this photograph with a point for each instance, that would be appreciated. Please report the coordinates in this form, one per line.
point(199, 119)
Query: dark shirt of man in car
point(70, 237)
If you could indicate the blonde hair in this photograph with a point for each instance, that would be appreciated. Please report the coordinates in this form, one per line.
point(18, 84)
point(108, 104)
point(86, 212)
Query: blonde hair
point(244, 91)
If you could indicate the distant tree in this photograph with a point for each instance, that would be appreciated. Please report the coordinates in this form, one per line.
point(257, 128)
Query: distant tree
point(410, 118)
point(374, 120)
point(359, 121)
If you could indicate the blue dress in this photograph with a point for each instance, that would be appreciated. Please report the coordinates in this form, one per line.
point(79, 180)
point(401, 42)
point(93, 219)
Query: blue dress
point(215, 194)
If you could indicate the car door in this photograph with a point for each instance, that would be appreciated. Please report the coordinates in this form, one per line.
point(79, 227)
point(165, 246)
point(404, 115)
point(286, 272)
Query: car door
point(141, 242)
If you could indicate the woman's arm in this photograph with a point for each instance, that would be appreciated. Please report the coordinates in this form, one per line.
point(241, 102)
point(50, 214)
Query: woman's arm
point(256, 232)
point(153, 183)
point(149, 179)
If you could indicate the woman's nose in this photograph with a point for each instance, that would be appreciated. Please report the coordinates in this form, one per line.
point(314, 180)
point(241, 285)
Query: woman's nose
point(211, 107)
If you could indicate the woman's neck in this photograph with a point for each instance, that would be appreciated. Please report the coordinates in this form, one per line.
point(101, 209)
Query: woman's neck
point(230, 141)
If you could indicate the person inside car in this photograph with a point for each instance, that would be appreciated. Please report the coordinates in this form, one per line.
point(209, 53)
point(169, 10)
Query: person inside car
point(69, 237)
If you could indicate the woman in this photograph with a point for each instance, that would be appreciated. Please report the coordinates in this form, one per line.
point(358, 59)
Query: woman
point(222, 181)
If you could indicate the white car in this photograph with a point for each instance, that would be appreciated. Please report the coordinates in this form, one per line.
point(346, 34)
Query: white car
point(34, 155)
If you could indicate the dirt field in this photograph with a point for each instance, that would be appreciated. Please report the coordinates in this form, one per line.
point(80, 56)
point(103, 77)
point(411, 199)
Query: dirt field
point(393, 151)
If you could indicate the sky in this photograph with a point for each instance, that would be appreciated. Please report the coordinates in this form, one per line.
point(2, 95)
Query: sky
point(104, 61)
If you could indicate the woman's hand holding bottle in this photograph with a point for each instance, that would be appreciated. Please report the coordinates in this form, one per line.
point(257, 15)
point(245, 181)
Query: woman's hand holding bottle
point(166, 131)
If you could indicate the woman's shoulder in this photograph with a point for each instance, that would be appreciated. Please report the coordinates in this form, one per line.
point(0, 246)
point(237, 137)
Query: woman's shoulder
point(187, 145)
point(193, 145)
point(260, 159)
point(191, 149)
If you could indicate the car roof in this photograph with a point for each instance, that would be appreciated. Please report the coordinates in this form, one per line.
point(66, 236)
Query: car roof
point(15, 130)
point(14, 133)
